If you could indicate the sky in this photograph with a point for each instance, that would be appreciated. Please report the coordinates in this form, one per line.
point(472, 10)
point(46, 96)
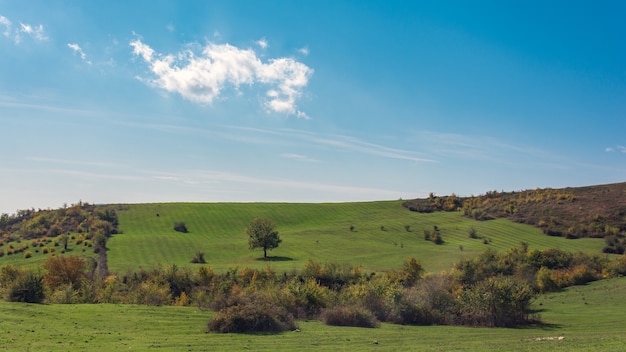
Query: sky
point(306, 101)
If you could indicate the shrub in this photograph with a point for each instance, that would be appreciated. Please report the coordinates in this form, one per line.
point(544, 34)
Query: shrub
point(28, 254)
point(64, 294)
point(180, 227)
point(27, 287)
point(352, 227)
point(407, 228)
point(198, 259)
point(349, 316)
point(310, 297)
point(499, 301)
point(250, 317)
point(471, 233)
point(64, 270)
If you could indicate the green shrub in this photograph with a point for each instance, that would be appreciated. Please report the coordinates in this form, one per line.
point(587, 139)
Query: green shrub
point(27, 287)
point(501, 301)
point(349, 316)
point(28, 254)
point(250, 317)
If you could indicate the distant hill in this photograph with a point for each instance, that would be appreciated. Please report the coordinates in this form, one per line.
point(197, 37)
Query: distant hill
point(592, 211)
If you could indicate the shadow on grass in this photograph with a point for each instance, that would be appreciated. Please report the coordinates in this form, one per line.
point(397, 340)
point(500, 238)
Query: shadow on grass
point(541, 325)
point(274, 259)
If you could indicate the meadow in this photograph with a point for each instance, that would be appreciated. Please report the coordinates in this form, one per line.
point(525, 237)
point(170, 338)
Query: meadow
point(320, 232)
point(581, 318)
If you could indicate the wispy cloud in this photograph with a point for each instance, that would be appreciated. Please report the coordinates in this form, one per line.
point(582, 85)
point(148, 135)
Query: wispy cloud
point(36, 32)
point(201, 77)
point(619, 148)
point(7, 26)
point(299, 157)
point(262, 43)
point(78, 51)
point(337, 142)
point(304, 51)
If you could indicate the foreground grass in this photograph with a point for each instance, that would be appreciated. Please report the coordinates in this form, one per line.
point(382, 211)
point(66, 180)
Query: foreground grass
point(588, 318)
point(313, 231)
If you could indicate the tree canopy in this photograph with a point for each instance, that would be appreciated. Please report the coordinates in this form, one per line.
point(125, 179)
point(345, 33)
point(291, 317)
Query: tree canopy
point(262, 234)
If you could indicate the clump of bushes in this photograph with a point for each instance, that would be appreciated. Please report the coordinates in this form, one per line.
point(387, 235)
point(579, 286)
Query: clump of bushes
point(25, 286)
point(349, 316)
point(251, 317)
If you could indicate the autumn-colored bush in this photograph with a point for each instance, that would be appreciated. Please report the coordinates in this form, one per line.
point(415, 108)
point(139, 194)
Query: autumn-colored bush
point(63, 270)
point(252, 317)
point(349, 316)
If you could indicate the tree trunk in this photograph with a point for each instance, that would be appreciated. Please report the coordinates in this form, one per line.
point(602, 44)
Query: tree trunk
point(264, 252)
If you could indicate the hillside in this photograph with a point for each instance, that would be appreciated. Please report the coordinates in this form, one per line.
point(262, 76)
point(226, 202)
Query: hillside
point(321, 232)
point(385, 234)
point(593, 211)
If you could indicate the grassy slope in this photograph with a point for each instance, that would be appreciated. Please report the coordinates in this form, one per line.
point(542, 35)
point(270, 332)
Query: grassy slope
point(590, 318)
point(312, 231)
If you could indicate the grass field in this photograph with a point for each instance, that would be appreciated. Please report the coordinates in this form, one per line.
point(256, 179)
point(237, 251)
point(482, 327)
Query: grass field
point(313, 231)
point(588, 318)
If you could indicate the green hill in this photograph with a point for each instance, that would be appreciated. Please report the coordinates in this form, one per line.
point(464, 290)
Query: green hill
point(320, 232)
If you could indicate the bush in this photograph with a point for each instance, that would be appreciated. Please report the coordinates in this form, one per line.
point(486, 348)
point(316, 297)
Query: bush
point(180, 227)
point(64, 270)
point(27, 287)
point(349, 316)
point(250, 317)
point(198, 259)
point(500, 301)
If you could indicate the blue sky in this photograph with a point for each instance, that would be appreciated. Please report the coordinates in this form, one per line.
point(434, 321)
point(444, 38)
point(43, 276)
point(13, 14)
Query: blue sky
point(306, 101)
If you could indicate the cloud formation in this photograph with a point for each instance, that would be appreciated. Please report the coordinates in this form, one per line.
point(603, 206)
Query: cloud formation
point(262, 43)
point(7, 26)
point(619, 148)
point(36, 32)
point(78, 50)
point(201, 77)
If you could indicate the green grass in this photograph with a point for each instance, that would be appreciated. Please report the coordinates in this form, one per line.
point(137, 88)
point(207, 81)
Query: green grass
point(589, 318)
point(38, 255)
point(312, 231)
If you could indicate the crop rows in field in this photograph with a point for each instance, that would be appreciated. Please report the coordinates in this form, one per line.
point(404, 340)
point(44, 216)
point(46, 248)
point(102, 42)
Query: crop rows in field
point(318, 232)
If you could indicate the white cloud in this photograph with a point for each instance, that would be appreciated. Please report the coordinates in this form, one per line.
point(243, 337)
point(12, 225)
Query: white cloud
point(201, 77)
point(304, 51)
point(299, 157)
point(7, 25)
point(262, 43)
point(36, 32)
point(170, 28)
point(78, 50)
point(619, 148)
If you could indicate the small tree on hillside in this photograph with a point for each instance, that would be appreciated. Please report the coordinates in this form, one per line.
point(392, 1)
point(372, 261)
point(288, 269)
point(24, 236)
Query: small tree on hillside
point(262, 234)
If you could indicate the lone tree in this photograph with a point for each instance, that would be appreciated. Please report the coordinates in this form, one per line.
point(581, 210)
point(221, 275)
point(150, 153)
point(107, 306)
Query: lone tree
point(262, 234)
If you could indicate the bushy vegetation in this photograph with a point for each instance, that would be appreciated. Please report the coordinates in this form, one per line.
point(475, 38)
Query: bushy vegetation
point(349, 316)
point(596, 211)
point(492, 289)
point(81, 218)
